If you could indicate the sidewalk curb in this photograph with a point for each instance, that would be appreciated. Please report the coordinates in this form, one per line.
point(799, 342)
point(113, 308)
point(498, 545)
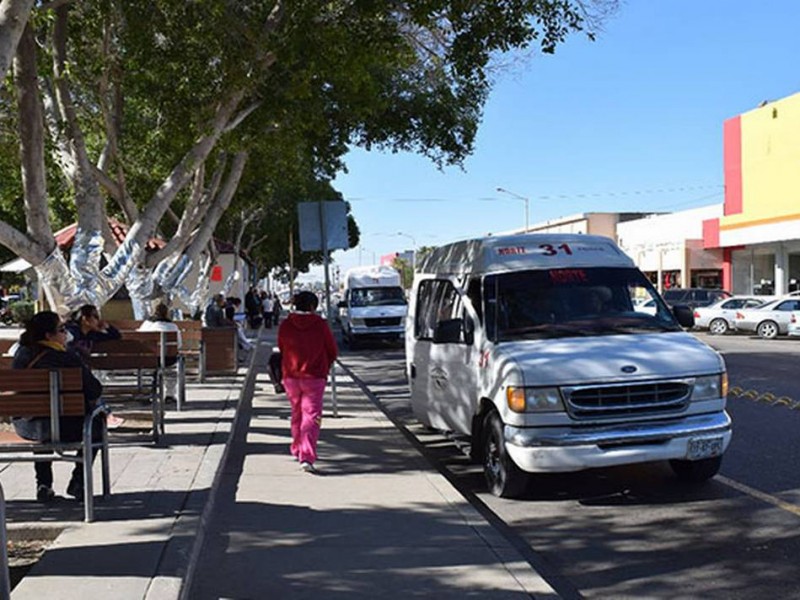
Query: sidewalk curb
point(518, 562)
point(208, 508)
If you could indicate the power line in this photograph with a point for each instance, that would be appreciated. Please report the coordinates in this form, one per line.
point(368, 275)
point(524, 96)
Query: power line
point(553, 196)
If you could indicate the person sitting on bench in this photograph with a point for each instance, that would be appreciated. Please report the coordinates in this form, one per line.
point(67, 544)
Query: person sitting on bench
point(43, 346)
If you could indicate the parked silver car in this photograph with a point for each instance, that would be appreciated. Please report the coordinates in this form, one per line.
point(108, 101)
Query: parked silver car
point(769, 320)
point(719, 317)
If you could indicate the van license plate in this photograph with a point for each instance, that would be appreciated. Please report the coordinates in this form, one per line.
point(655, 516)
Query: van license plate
point(704, 448)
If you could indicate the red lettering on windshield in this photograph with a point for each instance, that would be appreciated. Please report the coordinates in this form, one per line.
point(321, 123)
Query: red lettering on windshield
point(568, 276)
point(511, 250)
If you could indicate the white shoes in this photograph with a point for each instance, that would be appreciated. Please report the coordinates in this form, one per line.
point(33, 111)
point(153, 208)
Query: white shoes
point(309, 468)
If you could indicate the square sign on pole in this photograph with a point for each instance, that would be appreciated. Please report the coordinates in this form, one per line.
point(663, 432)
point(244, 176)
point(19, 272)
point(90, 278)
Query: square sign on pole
point(323, 226)
point(311, 215)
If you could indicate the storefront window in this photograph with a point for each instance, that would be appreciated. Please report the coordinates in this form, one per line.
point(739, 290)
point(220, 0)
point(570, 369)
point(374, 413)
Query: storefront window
point(753, 273)
point(794, 273)
point(708, 278)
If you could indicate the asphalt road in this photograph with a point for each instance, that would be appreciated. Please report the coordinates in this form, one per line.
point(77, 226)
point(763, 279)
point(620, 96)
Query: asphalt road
point(636, 532)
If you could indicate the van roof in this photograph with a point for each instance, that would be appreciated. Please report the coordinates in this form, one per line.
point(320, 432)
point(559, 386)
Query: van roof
point(497, 254)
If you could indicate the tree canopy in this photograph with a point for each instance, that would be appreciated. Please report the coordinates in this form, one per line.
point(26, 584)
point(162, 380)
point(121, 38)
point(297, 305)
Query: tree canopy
point(168, 113)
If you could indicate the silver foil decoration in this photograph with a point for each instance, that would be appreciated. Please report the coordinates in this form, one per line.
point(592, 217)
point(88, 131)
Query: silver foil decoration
point(84, 266)
point(58, 284)
point(199, 297)
point(229, 281)
point(119, 268)
point(140, 288)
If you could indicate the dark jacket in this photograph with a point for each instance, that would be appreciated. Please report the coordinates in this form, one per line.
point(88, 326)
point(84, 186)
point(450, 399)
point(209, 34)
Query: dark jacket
point(38, 428)
point(307, 346)
point(82, 342)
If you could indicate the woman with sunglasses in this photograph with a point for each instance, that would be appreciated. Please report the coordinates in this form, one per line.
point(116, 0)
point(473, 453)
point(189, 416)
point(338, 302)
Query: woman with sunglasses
point(43, 346)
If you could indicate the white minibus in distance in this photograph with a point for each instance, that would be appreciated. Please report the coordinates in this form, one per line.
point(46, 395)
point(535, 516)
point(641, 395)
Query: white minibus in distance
point(374, 305)
point(533, 347)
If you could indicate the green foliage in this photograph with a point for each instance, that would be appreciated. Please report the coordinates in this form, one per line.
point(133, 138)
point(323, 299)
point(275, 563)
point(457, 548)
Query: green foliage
point(402, 76)
point(406, 272)
point(22, 311)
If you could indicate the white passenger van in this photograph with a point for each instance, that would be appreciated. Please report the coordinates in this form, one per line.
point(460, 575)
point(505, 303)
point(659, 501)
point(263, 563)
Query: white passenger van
point(531, 345)
point(374, 305)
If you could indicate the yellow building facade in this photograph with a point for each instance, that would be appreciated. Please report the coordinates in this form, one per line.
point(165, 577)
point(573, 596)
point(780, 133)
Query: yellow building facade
point(759, 231)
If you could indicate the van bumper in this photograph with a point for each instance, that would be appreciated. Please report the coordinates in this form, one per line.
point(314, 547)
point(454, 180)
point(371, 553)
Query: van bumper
point(560, 449)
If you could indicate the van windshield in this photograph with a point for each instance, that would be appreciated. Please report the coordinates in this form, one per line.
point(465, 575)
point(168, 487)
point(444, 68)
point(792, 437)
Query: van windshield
point(573, 302)
point(377, 296)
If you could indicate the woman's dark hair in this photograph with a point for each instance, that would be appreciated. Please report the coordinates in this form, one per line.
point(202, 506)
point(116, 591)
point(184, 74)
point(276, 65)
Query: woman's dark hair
point(306, 301)
point(87, 311)
point(38, 327)
point(161, 312)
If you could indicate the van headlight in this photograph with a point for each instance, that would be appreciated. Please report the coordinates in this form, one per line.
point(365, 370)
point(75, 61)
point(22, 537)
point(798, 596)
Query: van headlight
point(521, 399)
point(710, 387)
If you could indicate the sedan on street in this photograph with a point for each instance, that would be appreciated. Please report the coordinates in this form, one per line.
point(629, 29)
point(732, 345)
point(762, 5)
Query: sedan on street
point(768, 321)
point(719, 317)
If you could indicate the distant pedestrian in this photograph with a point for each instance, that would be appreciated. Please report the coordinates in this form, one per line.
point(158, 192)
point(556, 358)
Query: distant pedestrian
point(266, 309)
point(276, 309)
point(252, 307)
point(307, 352)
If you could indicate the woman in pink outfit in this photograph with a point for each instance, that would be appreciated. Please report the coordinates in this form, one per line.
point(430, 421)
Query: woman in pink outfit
point(307, 352)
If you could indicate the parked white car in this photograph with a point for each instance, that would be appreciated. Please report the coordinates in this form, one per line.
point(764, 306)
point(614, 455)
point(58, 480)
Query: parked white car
point(794, 324)
point(719, 317)
point(769, 320)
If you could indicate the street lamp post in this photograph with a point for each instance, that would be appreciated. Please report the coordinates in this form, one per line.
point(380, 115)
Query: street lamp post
point(518, 197)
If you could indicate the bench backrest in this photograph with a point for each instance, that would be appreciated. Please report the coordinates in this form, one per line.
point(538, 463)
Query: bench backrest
point(220, 348)
point(5, 344)
point(127, 353)
point(126, 324)
point(27, 392)
point(152, 340)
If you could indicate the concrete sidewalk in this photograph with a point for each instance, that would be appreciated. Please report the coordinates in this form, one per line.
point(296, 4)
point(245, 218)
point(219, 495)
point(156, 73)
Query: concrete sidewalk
point(378, 521)
point(223, 511)
point(142, 539)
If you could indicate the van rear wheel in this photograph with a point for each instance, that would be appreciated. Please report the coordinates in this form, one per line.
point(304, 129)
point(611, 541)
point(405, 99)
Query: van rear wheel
point(696, 471)
point(503, 477)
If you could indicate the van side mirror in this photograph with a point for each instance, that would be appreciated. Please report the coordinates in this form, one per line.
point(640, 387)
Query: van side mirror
point(684, 315)
point(448, 331)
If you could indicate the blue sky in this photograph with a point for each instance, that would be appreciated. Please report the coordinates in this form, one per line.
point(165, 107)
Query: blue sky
point(630, 122)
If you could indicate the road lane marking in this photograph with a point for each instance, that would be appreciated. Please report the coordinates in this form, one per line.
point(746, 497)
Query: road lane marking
point(759, 495)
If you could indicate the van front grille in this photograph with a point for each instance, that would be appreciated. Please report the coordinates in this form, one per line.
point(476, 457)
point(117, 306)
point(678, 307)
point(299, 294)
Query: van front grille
point(627, 399)
point(383, 321)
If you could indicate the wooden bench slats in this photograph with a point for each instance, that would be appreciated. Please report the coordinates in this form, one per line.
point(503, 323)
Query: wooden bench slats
point(37, 405)
point(28, 393)
point(34, 379)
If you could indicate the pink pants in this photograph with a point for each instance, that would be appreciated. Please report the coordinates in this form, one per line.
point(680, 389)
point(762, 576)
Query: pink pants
point(305, 396)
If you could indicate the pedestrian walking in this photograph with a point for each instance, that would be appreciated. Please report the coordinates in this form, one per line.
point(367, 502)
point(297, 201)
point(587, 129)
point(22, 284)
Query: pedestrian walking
point(276, 309)
point(266, 308)
point(307, 352)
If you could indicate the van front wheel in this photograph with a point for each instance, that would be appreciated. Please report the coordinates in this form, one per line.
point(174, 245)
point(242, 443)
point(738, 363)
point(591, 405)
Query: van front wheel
point(503, 477)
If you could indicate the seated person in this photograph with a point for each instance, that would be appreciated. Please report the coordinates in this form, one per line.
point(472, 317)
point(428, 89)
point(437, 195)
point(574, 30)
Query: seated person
point(160, 321)
point(43, 346)
point(86, 328)
point(215, 317)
